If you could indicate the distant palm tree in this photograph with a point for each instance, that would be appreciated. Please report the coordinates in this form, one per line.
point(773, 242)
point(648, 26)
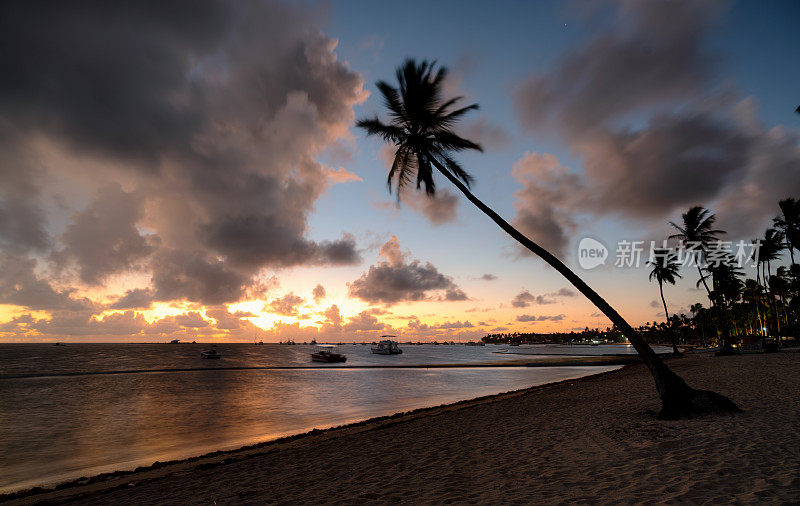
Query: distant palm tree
point(699, 320)
point(752, 294)
point(697, 232)
point(789, 224)
point(770, 249)
point(421, 129)
point(665, 268)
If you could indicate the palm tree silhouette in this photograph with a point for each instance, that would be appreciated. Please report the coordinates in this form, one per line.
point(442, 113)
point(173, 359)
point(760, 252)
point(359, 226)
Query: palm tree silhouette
point(665, 268)
point(770, 249)
point(696, 232)
point(789, 224)
point(420, 128)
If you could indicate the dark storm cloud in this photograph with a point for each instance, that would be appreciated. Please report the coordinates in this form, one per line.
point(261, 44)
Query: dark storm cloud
point(22, 221)
point(212, 112)
point(640, 61)
point(607, 99)
point(103, 239)
point(396, 280)
point(187, 275)
point(109, 77)
point(21, 286)
point(137, 298)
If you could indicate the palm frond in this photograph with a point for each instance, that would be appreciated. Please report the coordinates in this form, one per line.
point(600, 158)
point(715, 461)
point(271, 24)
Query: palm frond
point(389, 133)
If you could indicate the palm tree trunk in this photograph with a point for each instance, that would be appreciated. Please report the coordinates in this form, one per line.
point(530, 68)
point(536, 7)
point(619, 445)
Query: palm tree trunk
point(772, 302)
point(666, 314)
point(677, 399)
point(722, 319)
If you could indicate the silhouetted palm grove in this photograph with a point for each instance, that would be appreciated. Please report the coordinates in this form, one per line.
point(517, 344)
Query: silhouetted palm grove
point(739, 309)
point(420, 128)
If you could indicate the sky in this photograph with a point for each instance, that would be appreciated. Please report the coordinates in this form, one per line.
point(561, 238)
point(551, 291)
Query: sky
point(193, 170)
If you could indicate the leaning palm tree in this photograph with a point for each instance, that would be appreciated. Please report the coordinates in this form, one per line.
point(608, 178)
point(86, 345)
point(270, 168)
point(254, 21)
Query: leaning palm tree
point(421, 130)
point(697, 232)
point(665, 268)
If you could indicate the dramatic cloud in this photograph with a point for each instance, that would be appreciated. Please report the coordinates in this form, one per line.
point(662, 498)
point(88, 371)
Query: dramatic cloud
point(547, 201)
point(523, 299)
point(333, 316)
point(363, 322)
point(286, 305)
point(318, 293)
point(396, 280)
point(541, 318)
point(21, 286)
point(103, 239)
point(526, 298)
point(608, 100)
point(137, 298)
point(180, 141)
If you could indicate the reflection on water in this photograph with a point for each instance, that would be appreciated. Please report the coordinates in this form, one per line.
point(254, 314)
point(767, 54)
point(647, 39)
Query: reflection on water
point(56, 428)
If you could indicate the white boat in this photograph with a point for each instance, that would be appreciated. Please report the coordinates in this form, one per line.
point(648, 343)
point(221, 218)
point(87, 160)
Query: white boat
point(387, 347)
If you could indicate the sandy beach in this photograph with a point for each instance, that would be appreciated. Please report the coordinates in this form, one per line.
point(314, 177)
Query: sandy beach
point(592, 440)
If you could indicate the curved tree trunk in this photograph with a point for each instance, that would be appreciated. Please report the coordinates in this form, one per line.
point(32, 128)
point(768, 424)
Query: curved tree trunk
point(678, 400)
point(666, 314)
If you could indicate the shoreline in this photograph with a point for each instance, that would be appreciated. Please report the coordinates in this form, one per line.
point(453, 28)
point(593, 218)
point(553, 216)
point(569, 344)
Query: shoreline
point(578, 436)
point(143, 472)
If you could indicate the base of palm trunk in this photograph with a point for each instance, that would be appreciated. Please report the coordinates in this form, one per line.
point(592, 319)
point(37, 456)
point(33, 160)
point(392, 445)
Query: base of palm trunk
point(691, 403)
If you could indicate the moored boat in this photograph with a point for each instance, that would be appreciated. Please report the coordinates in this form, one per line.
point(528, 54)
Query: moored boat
point(328, 354)
point(387, 347)
point(212, 353)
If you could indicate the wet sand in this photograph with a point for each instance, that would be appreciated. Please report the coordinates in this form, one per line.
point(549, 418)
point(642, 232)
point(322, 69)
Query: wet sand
point(592, 440)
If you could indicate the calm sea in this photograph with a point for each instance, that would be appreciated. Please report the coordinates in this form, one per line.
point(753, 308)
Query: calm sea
point(82, 409)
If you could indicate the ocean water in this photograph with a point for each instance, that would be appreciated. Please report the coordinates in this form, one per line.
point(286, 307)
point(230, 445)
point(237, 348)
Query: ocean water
point(82, 409)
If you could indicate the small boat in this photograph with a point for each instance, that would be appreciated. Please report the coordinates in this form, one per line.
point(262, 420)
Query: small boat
point(387, 347)
point(58, 344)
point(328, 354)
point(212, 353)
point(175, 341)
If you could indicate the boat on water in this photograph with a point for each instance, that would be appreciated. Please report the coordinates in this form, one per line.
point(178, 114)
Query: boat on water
point(212, 353)
point(175, 341)
point(328, 354)
point(387, 347)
